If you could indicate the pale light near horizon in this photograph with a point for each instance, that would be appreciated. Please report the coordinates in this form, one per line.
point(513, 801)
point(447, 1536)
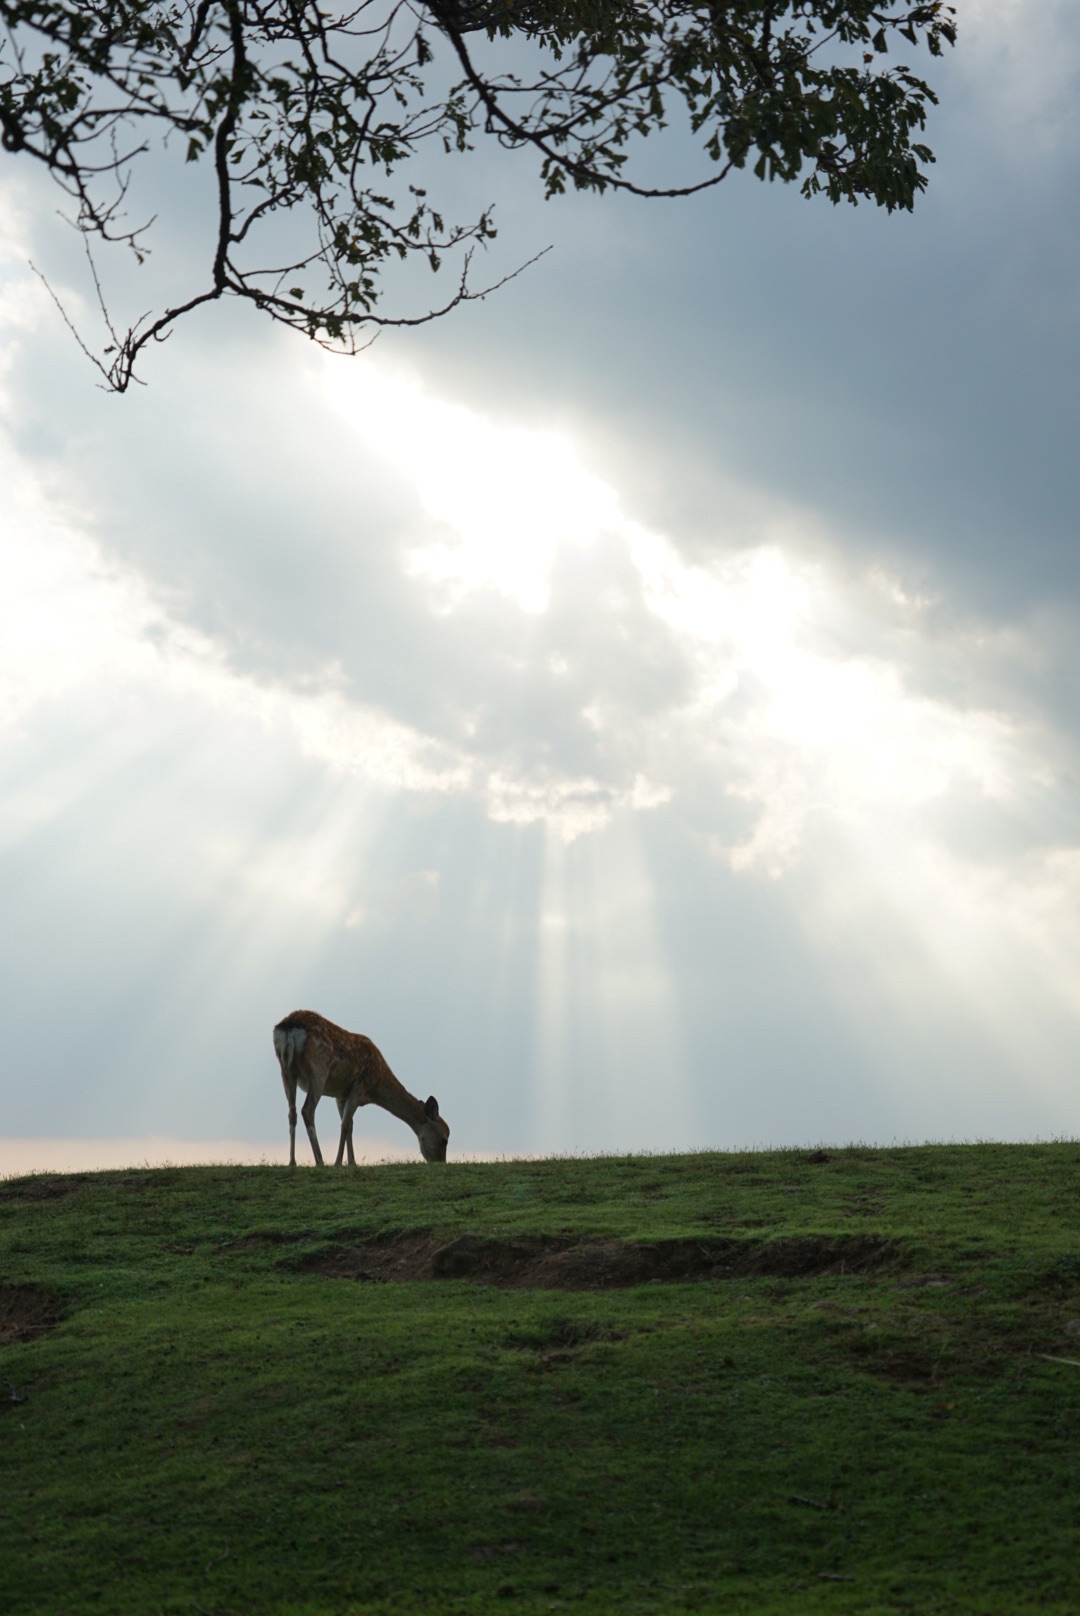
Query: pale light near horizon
point(21, 1157)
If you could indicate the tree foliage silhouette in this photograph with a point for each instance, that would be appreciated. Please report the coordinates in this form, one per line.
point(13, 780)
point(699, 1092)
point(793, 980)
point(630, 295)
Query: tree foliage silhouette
point(310, 117)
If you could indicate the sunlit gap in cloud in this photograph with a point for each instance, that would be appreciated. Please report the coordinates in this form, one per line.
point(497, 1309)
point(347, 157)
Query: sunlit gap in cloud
point(484, 482)
point(814, 730)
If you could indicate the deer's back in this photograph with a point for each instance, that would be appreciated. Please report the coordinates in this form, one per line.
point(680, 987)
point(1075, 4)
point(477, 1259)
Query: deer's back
point(317, 1048)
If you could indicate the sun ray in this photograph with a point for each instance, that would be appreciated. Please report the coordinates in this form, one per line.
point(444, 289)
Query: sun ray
point(771, 712)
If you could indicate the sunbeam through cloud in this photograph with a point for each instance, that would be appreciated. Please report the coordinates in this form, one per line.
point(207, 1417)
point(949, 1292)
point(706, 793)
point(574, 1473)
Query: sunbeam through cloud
point(616, 836)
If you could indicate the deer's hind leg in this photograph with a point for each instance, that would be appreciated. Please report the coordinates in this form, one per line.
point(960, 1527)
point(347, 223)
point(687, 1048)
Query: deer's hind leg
point(289, 1081)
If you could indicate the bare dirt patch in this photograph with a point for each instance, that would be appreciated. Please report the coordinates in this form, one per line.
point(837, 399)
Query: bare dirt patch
point(27, 1311)
point(41, 1187)
point(552, 1263)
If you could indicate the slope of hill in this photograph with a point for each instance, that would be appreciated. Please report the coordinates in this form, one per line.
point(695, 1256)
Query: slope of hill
point(843, 1381)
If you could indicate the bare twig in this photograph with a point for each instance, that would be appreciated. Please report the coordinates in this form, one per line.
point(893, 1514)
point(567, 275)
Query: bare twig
point(98, 364)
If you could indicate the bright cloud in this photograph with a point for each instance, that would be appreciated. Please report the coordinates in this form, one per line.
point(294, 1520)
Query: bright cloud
point(508, 498)
point(778, 720)
point(764, 710)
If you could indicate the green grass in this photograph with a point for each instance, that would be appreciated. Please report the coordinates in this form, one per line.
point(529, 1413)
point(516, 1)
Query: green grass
point(209, 1430)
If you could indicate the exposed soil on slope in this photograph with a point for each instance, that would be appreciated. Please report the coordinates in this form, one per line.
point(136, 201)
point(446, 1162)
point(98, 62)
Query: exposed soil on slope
point(584, 1265)
point(26, 1311)
point(41, 1187)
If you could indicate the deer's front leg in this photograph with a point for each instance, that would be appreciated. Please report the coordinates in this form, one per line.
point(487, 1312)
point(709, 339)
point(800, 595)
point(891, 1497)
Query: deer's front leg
point(347, 1107)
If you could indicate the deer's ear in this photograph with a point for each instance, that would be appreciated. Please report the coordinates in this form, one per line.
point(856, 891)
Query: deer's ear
point(431, 1110)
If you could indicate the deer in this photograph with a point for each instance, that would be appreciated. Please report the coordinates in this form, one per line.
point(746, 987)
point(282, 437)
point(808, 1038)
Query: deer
point(320, 1058)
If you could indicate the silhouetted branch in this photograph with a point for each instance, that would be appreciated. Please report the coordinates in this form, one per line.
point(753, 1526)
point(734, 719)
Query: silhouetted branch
point(309, 118)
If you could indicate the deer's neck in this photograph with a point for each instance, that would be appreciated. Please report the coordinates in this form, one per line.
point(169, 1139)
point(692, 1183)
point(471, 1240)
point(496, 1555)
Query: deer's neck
point(396, 1099)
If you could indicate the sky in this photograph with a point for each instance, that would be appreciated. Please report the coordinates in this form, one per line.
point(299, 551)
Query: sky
point(644, 702)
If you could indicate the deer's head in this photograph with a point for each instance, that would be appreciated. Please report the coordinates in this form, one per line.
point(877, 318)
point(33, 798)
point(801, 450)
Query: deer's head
point(433, 1133)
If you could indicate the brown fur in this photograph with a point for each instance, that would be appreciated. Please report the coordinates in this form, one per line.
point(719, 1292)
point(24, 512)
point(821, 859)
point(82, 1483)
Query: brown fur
point(321, 1058)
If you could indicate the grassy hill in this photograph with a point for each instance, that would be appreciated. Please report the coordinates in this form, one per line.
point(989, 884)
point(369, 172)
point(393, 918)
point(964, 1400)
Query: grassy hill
point(843, 1381)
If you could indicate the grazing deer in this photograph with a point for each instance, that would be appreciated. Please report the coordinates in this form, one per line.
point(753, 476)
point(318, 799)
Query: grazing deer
point(323, 1059)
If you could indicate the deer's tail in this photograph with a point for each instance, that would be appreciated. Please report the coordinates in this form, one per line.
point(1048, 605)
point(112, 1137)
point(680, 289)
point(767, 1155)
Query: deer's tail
point(288, 1043)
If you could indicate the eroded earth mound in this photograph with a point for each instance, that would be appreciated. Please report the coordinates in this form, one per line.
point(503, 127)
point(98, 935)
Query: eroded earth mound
point(553, 1263)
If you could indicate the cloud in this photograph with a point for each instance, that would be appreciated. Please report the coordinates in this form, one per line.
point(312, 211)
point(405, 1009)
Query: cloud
point(777, 714)
point(635, 671)
point(1023, 62)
